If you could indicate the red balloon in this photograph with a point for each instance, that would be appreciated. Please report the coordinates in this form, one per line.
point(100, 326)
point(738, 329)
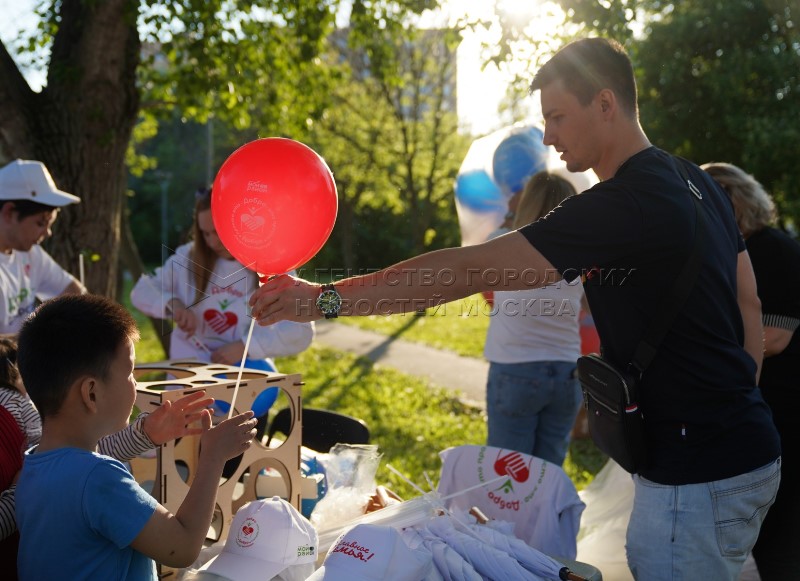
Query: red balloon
point(274, 204)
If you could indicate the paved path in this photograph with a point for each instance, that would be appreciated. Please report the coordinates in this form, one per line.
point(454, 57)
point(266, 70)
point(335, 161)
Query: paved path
point(443, 368)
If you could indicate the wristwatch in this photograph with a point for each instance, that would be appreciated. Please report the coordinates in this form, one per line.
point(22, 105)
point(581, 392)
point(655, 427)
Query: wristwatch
point(329, 301)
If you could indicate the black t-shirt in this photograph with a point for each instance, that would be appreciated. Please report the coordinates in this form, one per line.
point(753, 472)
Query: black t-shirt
point(776, 262)
point(629, 237)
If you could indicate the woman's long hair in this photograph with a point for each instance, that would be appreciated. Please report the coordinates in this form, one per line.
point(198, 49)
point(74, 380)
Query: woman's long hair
point(543, 192)
point(202, 256)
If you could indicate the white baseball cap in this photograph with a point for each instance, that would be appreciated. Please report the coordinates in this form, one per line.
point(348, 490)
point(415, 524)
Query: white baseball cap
point(370, 552)
point(266, 537)
point(29, 180)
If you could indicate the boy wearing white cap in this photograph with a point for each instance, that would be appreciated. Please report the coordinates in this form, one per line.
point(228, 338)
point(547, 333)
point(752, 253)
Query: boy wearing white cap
point(29, 204)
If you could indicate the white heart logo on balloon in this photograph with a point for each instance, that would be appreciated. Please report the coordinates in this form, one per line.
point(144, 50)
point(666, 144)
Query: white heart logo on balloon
point(252, 223)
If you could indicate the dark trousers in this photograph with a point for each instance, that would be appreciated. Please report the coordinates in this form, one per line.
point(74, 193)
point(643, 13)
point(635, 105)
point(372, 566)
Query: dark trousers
point(777, 550)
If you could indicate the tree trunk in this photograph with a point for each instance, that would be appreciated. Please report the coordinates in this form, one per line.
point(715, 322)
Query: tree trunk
point(80, 126)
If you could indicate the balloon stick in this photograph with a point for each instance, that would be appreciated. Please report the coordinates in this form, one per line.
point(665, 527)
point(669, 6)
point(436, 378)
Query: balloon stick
point(403, 476)
point(241, 367)
point(80, 267)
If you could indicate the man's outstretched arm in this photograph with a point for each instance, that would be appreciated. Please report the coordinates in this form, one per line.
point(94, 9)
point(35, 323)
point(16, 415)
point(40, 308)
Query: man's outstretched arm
point(505, 263)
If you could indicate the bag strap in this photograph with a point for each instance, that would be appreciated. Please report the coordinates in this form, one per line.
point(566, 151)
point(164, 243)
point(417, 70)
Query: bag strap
point(673, 302)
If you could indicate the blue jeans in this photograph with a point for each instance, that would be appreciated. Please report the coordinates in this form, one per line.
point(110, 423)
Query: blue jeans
point(698, 531)
point(532, 407)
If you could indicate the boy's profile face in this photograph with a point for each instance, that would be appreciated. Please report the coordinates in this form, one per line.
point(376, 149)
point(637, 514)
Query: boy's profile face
point(117, 393)
point(34, 229)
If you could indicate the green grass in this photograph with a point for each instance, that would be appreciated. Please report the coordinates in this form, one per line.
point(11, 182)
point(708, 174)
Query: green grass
point(459, 326)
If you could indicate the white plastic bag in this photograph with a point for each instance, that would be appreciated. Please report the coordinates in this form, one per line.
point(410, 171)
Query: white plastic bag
point(350, 472)
point(604, 522)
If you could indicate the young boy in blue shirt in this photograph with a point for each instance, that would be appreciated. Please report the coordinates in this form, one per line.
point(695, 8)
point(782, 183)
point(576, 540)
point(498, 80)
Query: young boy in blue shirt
point(82, 515)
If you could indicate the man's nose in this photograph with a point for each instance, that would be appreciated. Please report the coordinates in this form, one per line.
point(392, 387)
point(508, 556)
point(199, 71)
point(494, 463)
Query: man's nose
point(548, 136)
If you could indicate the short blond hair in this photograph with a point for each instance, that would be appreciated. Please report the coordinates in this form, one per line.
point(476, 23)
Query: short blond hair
point(543, 192)
point(752, 204)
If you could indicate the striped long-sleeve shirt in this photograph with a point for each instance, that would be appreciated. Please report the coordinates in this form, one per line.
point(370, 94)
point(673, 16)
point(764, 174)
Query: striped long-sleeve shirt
point(122, 445)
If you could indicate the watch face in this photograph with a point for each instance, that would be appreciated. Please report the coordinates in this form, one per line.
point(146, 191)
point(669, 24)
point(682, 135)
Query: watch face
point(329, 302)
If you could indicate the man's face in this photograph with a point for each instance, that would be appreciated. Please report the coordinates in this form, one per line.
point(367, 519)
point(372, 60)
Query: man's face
point(34, 229)
point(571, 128)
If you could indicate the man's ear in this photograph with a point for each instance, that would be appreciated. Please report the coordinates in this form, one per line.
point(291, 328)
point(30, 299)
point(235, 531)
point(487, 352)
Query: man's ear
point(89, 390)
point(607, 101)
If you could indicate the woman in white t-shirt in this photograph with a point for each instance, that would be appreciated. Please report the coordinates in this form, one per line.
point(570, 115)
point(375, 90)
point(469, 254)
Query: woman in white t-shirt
point(533, 342)
point(205, 291)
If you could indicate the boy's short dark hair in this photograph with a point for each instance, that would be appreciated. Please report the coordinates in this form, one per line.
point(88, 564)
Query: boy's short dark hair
point(589, 65)
point(66, 338)
point(25, 208)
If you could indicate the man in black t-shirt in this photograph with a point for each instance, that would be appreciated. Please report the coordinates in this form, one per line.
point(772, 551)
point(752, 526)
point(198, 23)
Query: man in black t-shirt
point(714, 463)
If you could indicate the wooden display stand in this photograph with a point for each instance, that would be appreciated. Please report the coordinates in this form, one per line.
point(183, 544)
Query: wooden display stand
point(176, 378)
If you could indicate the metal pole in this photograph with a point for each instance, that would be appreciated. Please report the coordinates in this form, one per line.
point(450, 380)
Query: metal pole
point(164, 186)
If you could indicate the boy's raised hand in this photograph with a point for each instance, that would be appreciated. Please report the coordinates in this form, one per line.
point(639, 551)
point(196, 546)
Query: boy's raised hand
point(228, 438)
point(178, 418)
point(176, 540)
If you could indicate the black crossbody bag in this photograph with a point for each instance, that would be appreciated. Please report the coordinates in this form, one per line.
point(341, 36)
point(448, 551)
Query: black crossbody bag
point(611, 395)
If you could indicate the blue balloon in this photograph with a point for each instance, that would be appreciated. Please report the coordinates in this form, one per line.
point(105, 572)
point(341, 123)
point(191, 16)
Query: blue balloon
point(221, 408)
point(263, 401)
point(266, 398)
point(517, 158)
point(260, 364)
point(476, 190)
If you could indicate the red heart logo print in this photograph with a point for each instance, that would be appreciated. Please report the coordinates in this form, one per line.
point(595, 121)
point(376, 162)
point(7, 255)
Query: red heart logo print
point(248, 530)
point(220, 322)
point(512, 464)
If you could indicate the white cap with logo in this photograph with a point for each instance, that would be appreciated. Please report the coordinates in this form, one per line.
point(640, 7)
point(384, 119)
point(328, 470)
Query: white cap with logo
point(370, 552)
point(29, 180)
point(266, 537)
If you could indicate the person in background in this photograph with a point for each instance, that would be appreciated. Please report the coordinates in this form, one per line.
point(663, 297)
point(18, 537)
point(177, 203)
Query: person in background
point(12, 442)
point(504, 228)
point(713, 451)
point(29, 204)
point(205, 290)
point(101, 524)
point(776, 263)
point(21, 428)
point(532, 344)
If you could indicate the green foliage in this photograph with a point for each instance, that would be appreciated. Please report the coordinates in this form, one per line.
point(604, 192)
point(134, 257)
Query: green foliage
point(181, 149)
point(250, 64)
point(718, 81)
point(394, 168)
point(399, 161)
